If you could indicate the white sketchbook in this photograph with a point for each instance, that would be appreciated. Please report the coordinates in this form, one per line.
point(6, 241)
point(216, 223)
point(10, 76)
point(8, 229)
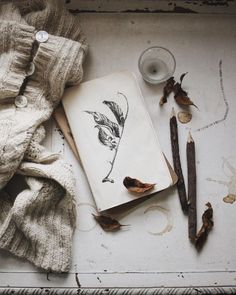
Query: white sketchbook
point(115, 138)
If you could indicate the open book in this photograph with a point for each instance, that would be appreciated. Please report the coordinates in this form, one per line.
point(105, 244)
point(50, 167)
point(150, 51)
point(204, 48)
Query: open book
point(115, 138)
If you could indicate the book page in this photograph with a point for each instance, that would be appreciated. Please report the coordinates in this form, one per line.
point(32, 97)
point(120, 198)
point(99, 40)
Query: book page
point(115, 138)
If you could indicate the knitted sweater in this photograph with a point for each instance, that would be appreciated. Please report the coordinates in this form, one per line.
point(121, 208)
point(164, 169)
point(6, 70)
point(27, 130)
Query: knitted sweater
point(37, 223)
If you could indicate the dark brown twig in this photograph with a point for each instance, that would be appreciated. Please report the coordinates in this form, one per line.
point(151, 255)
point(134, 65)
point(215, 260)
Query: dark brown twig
point(177, 163)
point(192, 210)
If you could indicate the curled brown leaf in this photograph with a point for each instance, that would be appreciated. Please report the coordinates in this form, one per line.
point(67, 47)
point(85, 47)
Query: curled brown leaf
point(182, 77)
point(107, 223)
point(136, 186)
point(181, 96)
point(168, 88)
point(207, 224)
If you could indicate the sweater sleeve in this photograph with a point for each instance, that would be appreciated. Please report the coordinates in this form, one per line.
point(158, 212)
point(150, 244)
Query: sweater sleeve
point(57, 62)
point(15, 47)
point(16, 40)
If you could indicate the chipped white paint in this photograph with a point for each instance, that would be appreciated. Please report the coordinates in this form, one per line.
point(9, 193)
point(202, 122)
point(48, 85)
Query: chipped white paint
point(134, 259)
point(156, 6)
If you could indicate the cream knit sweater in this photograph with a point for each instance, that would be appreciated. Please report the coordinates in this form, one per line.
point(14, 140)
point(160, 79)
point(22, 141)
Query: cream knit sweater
point(38, 222)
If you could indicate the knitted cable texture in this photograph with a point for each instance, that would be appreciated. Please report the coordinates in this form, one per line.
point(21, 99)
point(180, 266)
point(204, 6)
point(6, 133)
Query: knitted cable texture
point(38, 222)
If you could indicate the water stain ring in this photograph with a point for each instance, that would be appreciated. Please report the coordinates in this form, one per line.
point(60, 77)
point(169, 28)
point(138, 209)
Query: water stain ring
point(85, 215)
point(168, 222)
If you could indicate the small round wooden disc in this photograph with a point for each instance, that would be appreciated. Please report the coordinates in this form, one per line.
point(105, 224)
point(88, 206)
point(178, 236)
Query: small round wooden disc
point(184, 117)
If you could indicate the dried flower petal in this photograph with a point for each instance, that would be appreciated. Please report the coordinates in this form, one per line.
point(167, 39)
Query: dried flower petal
point(184, 117)
point(167, 90)
point(107, 223)
point(136, 186)
point(206, 227)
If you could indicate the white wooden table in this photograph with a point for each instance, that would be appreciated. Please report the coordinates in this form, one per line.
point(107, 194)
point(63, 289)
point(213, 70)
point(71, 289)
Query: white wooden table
point(154, 255)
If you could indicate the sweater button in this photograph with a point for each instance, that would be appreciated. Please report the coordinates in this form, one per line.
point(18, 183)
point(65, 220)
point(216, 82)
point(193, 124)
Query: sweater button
point(42, 36)
point(31, 69)
point(21, 101)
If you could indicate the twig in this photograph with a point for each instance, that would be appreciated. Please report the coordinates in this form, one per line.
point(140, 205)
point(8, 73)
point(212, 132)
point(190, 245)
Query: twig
point(177, 163)
point(192, 210)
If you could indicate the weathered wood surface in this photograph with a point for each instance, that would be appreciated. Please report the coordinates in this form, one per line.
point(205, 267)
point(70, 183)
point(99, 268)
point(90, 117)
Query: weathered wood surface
point(155, 255)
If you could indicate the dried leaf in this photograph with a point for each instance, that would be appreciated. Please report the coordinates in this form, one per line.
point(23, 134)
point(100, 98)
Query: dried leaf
point(106, 139)
point(116, 110)
point(184, 117)
point(107, 223)
point(182, 77)
point(206, 227)
point(181, 96)
point(104, 121)
point(167, 90)
point(136, 186)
